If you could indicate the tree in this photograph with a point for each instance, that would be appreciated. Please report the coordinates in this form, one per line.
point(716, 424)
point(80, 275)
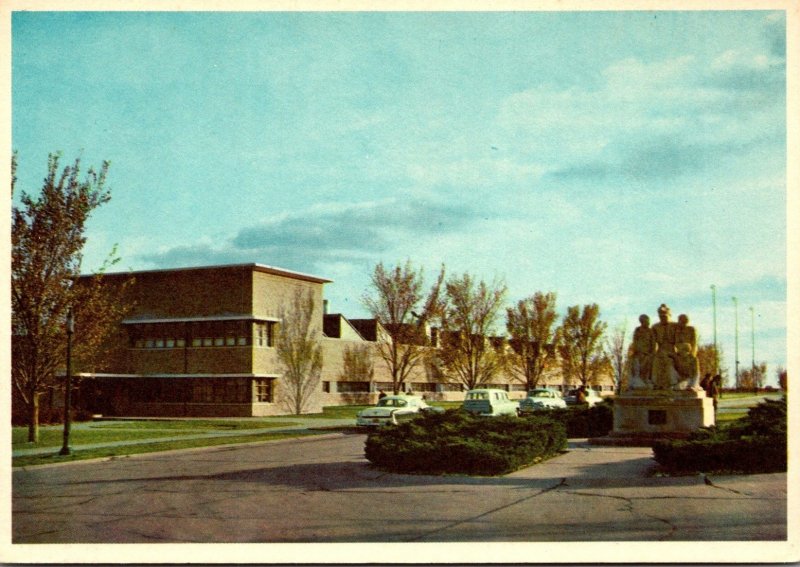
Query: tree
point(782, 378)
point(532, 337)
point(398, 303)
point(753, 378)
point(47, 239)
point(468, 352)
point(357, 364)
point(299, 351)
point(617, 355)
point(708, 358)
point(581, 346)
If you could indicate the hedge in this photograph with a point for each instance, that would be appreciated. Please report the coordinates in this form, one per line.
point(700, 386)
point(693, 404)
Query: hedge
point(753, 444)
point(456, 442)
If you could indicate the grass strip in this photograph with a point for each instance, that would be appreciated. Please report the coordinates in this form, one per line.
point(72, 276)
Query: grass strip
point(140, 448)
point(110, 432)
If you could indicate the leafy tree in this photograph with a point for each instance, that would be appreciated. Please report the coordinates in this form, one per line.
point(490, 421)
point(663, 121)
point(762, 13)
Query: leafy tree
point(47, 239)
point(709, 357)
point(753, 378)
point(617, 355)
point(782, 378)
point(299, 351)
point(532, 337)
point(468, 352)
point(397, 300)
point(357, 364)
point(581, 344)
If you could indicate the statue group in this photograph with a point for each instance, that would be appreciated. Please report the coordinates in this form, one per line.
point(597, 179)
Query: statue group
point(664, 356)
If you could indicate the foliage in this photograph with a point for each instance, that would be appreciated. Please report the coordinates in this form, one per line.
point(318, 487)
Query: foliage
point(357, 363)
point(617, 356)
point(753, 378)
point(585, 421)
point(456, 442)
point(782, 378)
point(532, 338)
point(708, 358)
point(754, 444)
point(468, 353)
point(299, 351)
point(580, 345)
point(47, 241)
point(397, 301)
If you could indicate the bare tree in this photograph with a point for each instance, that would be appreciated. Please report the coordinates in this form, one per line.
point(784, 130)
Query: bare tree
point(397, 300)
point(780, 372)
point(47, 241)
point(299, 351)
point(581, 344)
point(469, 353)
point(617, 354)
point(532, 336)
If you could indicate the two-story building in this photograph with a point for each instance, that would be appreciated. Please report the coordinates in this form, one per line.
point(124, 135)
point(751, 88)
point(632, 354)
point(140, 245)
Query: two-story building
point(201, 342)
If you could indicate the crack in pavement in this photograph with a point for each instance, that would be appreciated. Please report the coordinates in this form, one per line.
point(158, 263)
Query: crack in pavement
point(492, 511)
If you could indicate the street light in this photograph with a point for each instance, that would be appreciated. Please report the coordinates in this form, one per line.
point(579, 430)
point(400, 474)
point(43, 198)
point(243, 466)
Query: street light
point(68, 392)
point(714, 307)
point(736, 313)
point(753, 342)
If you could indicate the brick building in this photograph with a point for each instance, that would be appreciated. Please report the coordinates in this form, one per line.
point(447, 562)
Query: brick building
point(201, 342)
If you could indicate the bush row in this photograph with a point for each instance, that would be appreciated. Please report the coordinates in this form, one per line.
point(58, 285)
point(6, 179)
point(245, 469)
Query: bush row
point(753, 444)
point(456, 442)
point(584, 421)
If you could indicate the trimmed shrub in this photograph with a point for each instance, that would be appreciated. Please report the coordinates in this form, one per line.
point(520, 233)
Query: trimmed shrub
point(753, 444)
point(585, 421)
point(456, 442)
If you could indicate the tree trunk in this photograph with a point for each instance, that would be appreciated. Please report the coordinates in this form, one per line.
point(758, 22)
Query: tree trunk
point(33, 418)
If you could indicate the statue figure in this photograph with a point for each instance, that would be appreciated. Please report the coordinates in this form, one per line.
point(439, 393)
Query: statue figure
point(644, 347)
point(686, 362)
point(664, 375)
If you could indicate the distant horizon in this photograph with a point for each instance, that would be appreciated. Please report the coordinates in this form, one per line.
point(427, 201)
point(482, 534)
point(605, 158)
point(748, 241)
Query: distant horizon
point(624, 158)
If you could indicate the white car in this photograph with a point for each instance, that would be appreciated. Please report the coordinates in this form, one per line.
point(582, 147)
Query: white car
point(593, 397)
point(489, 402)
point(391, 410)
point(541, 399)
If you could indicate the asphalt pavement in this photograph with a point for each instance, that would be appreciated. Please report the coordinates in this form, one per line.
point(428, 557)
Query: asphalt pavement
point(322, 490)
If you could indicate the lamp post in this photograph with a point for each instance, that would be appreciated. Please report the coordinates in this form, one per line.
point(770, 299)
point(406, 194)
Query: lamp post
point(736, 329)
point(65, 450)
point(753, 344)
point(714, 310)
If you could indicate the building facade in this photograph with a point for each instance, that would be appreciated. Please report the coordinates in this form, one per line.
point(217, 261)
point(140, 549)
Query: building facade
point(201, 342)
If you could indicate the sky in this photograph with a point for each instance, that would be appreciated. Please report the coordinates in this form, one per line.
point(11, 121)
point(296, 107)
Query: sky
point(622, 158)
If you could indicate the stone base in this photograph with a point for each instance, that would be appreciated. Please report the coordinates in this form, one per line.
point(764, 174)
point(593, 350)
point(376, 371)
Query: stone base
point(644, 416)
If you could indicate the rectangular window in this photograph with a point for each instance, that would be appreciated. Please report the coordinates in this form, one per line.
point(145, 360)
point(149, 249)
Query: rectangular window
point(230, 341)
point(197, 342)
point(423, 387)
point(169, 343)
point(352, 387)
point(219, 341)
point(326, 387)
point(159, 343)
point(262, 390)
point(208, 341)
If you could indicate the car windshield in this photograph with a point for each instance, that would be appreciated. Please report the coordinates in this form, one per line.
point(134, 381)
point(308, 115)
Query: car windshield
point(391, 402)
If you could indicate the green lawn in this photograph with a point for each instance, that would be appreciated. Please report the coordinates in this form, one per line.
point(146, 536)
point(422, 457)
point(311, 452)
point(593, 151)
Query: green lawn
point(124, 451)
point(112, 431)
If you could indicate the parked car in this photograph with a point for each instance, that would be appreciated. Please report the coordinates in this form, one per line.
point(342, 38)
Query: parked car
point(593, 397)
point(489, 402)
point(541, 399)
point(391, 410)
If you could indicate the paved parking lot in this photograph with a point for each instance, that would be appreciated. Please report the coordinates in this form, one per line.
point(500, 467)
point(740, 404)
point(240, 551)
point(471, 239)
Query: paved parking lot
point(323, 490)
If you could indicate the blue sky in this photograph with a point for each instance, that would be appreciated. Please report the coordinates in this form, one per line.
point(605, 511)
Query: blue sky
point(624, 158)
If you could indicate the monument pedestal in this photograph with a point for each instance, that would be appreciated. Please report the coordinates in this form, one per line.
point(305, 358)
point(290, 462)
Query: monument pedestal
point(644, 416)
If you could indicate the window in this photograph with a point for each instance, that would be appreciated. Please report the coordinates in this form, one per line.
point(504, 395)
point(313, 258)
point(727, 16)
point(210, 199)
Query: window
point(352, 387)
point(262, 390)
point(265, 334)
point(423, 387)
point(326, 387)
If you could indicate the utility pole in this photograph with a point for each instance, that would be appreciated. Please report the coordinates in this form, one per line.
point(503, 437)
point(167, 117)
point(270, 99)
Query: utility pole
point(736, 329)
point(714, 310)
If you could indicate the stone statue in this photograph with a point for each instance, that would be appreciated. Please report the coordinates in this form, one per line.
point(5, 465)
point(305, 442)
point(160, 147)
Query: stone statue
point(686, 363)
point(644, 347)
point(664, 374)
